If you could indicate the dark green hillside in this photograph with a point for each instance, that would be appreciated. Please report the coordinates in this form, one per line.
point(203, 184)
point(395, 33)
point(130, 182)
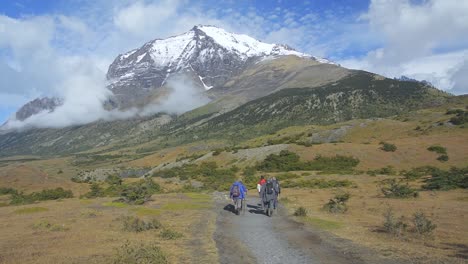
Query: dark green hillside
point(359, 96)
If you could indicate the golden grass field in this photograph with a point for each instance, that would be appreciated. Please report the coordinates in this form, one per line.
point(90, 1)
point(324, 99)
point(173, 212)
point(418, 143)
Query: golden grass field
point(88, 230)
point(363, 222)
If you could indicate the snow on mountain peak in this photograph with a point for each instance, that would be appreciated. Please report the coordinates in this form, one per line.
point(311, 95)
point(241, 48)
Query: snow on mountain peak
point(245, 45)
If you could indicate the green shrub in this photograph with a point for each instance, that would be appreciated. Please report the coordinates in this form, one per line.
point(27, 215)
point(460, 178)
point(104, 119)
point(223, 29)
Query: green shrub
point(301, 212)
point(394, 189)
point(437, 149)
point(289, 161)
point(212, 177)
point(217, 152)
point(5, 190)
point(446, 180)
point(114, 180)
point(416, 173)
point(388, 147)
point(460, 118)
point(337, 204)
point(139, 253)
point(169, 234)
point(422, 224)
point(389, 170)
point(47, 194)
point(135, 224)
point(95, 191)
point(392, 224)
point(443, 158)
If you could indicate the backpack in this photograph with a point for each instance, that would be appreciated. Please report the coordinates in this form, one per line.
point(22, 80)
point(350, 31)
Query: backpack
point(269, 187)
point(235, 191)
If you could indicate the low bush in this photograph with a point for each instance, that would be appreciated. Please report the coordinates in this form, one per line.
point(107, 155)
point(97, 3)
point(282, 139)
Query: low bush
point(135, 224)
point(422, 224)
point(301, 212)
point(388, 147)
point(460, 118)
point(389, 170)
point(47, 194)
point(394, 225)
point(437, 149)
point(136, 193)
point(447, 180)
point(337, 204)
point(169, 234)
point(443, 158)
point(416, 173)
point(95, 191)
point(396, 189)
point(212, 177)
point(5, 191)
point(289, 161)
point(139, 253)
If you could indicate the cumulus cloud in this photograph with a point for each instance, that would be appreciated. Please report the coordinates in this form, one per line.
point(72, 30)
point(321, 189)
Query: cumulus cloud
point(425, 40)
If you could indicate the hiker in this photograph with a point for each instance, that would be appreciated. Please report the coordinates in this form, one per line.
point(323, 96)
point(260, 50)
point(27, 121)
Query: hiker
point(260, 183)
point(277, 189)
point(268, 194)
point(237, 193)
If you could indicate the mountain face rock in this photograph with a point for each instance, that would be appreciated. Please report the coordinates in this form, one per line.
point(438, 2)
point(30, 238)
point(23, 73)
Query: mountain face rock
point(36, 106)
point(210, 54)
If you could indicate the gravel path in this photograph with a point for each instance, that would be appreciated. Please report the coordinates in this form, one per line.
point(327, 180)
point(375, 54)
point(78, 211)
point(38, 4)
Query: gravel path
point(257, 238)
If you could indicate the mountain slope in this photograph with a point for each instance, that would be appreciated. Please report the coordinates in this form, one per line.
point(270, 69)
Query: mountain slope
point(360, 95)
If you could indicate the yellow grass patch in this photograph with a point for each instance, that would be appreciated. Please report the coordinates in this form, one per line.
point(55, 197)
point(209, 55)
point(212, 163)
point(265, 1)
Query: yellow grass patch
point(323, 223)
point(145, 211)
point(31, 210)
point(116, 204)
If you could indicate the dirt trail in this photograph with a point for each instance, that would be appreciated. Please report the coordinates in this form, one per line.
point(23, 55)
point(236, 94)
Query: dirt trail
point(257, 238)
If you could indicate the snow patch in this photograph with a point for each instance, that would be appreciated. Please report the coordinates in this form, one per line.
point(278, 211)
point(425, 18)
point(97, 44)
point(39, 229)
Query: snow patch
point(204, 85)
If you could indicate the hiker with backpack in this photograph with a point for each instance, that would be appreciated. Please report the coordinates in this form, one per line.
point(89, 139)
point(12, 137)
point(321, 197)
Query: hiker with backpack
point(277, 188)
point(268, 194)
point(260, 183)
point(237, 193)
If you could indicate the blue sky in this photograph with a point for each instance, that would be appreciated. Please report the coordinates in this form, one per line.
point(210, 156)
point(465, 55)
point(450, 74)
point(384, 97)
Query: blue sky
point(46, 46)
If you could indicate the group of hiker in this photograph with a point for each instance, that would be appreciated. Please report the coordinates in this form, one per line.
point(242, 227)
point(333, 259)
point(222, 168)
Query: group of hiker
point(268, 190)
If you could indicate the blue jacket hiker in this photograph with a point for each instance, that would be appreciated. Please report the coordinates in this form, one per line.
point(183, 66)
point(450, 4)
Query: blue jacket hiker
point(237, 191)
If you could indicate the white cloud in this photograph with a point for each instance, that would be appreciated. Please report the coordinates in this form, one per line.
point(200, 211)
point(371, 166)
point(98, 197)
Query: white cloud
point(427, 40)
point(142, 19)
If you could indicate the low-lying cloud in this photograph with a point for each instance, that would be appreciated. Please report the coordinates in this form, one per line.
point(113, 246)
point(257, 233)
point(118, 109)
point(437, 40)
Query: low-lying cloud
point(85, 94)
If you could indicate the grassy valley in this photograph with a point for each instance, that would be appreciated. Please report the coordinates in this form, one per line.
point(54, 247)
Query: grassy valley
point(363, 179)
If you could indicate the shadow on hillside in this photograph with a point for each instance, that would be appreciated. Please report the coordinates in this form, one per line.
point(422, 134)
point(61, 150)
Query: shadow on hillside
point(462, 250)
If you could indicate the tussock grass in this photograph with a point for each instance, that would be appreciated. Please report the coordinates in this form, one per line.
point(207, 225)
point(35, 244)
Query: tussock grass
point(144, 211)
point(324, 224)
point(116, 204)
point(45, 225)
point(169, 234)
point(139, 253)
point(31, 210)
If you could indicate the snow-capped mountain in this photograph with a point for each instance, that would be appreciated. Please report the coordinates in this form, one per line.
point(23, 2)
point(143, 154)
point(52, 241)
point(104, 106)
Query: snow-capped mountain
point(208, 53)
